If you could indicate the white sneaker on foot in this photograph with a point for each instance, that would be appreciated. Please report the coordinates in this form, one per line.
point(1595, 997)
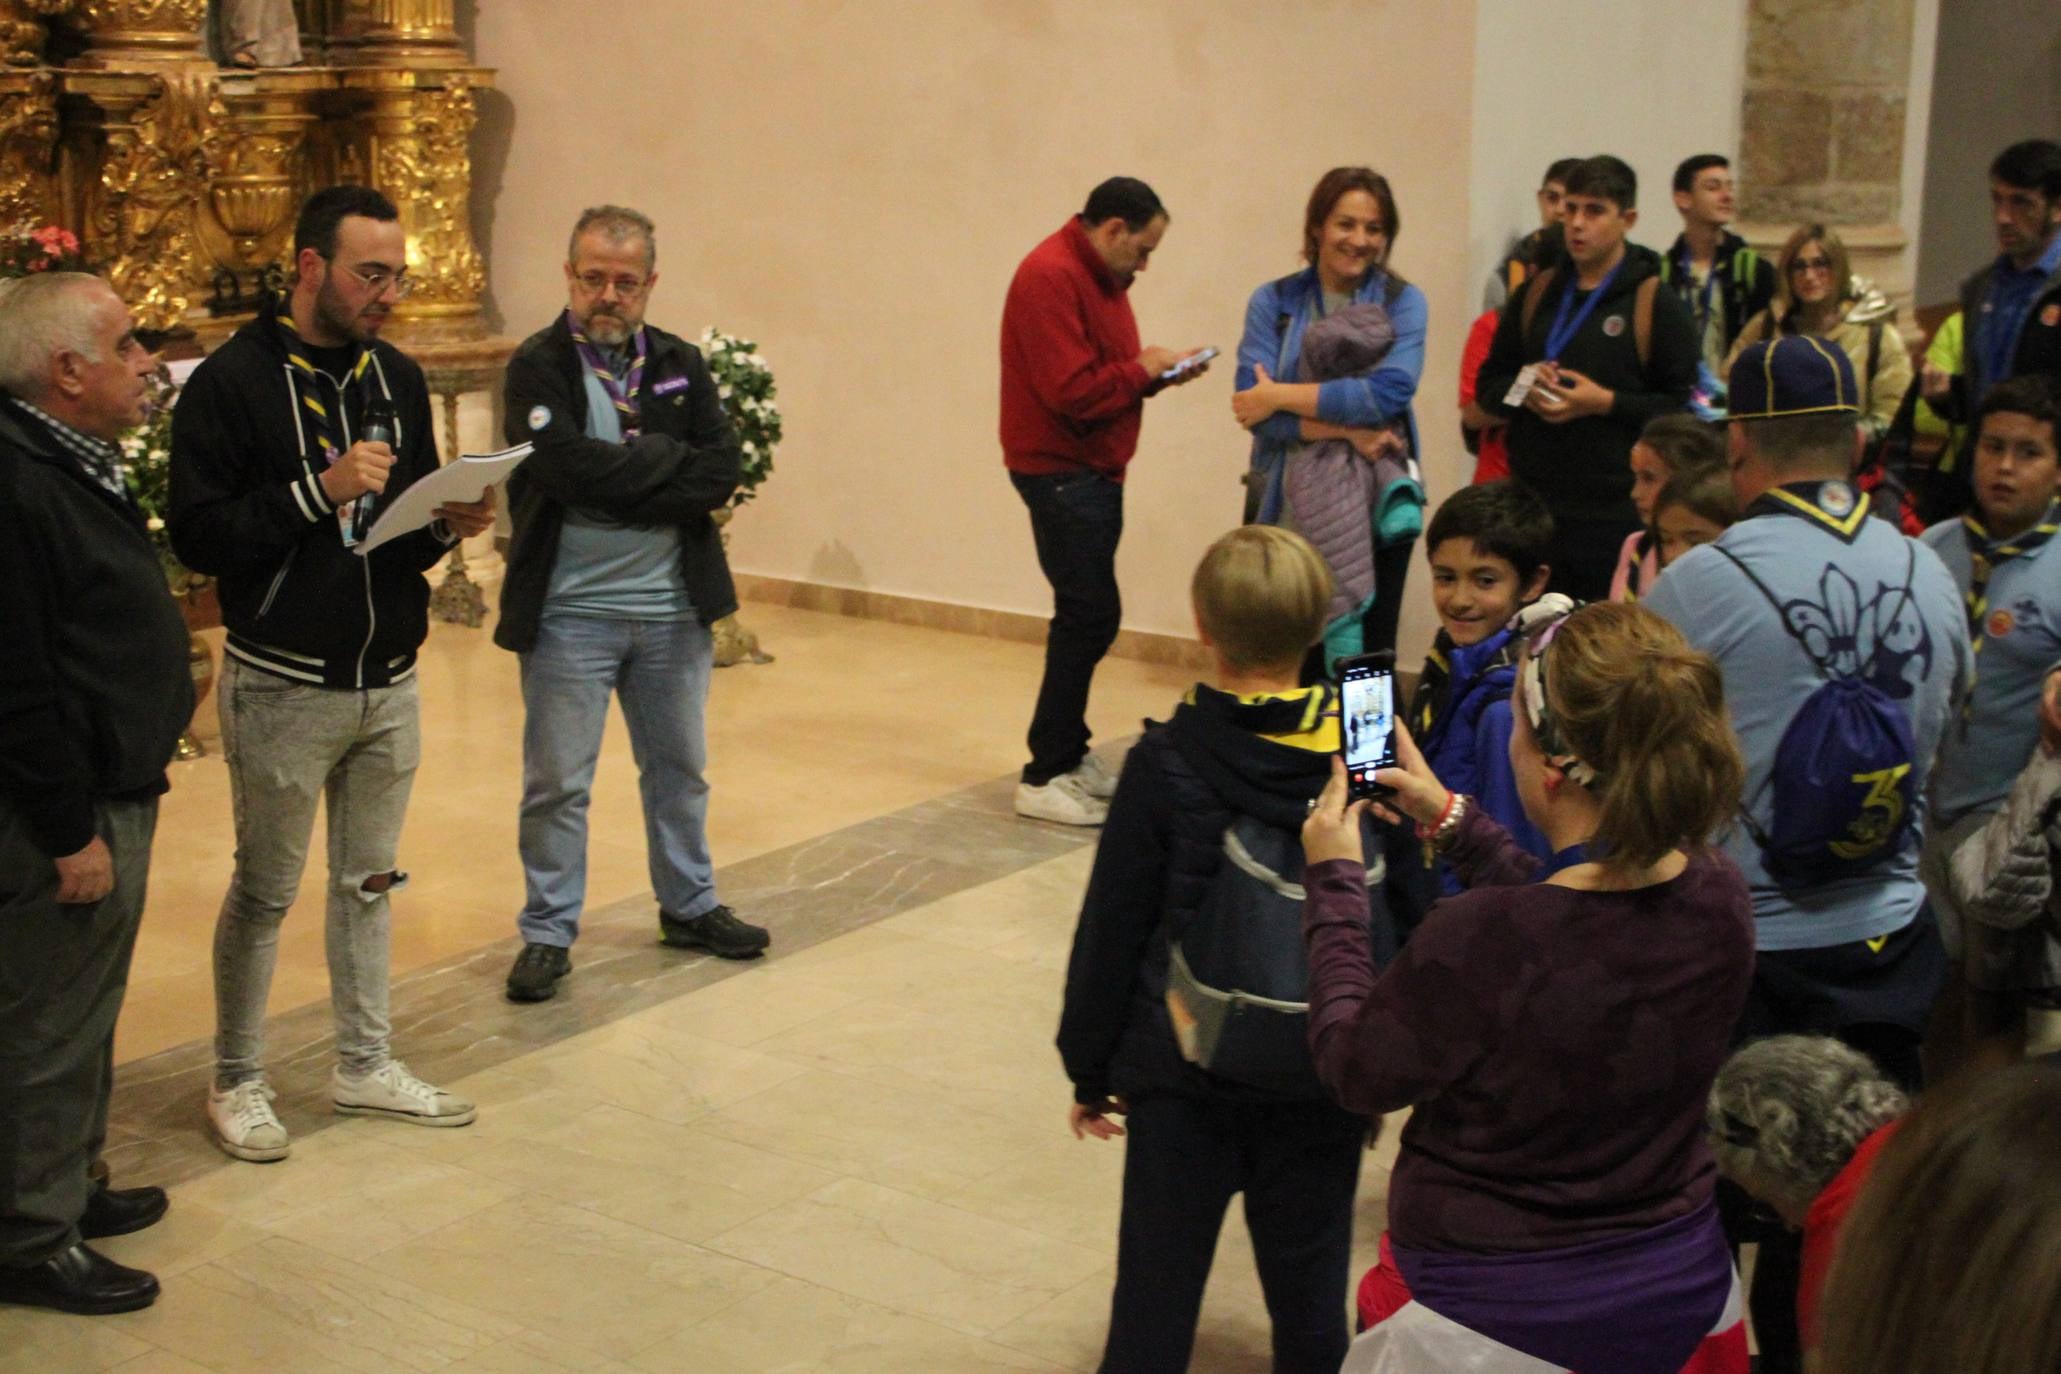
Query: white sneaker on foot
point(1063, 800)
point(1095, 778)
point(392, 1091)
point(245, 1124)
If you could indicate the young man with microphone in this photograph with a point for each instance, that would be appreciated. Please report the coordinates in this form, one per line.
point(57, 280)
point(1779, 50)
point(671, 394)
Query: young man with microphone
point(284, 444)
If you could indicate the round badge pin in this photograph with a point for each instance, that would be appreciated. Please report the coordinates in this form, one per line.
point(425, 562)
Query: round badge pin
point(1614, 326)
point(2051, 316)
point(1836, 499)
point(2000, 623)
point(540, 416)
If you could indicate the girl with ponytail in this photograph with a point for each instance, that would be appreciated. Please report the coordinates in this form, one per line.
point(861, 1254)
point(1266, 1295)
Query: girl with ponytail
point(1555, 1027)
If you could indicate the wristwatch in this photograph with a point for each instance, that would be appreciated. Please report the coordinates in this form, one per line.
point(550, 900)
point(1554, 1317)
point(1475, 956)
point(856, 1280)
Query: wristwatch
point(1448, 828)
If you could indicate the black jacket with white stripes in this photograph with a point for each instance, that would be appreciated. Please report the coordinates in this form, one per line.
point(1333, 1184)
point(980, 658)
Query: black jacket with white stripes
point(247, 509)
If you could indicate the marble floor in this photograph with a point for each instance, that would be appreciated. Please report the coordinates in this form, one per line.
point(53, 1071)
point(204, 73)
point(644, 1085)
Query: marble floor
point(850, 1156)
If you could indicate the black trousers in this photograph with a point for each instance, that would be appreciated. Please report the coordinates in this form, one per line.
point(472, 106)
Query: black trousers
point(1076, 520)
point(1298, 1165)
point(1584, 555)
point(63, 970)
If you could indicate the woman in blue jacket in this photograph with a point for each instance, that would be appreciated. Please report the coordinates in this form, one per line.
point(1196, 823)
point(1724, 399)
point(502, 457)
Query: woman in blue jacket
point(1363, 515)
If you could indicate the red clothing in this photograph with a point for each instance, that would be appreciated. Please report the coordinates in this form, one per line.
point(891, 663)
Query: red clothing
point(1821, 1226)
point(1492, 452)
point(1072, 390)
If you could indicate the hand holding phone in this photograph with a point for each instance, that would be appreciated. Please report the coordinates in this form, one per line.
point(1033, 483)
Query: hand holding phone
point(1366, 722)
point(1180, 370)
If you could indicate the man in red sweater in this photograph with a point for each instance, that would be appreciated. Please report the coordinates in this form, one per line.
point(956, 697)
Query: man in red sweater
point(1074, 383)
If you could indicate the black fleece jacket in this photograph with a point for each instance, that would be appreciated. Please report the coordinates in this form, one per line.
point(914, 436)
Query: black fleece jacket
point(248, 509)
point(682, 468)
point(1183, 782)
point(94, 686)
point(1582, 467)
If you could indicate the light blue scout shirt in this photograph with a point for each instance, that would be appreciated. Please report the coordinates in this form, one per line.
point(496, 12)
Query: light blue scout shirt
point(1988, 744)
point(618, 572)
point(1842, 577)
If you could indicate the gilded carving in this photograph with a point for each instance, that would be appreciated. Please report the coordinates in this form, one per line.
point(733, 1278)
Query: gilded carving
point(24, 28)
point(428, 173)
point(185, 16)
point(151, 179)
point(253, 162)
point(28, 148)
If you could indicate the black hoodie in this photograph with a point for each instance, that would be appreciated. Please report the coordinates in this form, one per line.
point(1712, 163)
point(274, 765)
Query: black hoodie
point(1582, 468)
point(248, 510)
point(1159, 853)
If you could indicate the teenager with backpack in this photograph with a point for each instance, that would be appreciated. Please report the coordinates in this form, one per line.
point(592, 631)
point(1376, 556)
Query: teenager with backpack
point(1555, 1027)
point(1717, 274)
point(1202, 850)
point(1583, 357)
point(1844, 647)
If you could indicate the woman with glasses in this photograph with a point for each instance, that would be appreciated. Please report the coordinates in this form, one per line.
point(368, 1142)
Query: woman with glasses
point(1555, 1027)
point(1816, 293)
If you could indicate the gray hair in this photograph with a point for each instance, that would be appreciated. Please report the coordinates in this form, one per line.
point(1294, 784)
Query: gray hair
point(47, 313)
point(618, 224)
point(1787, 1113)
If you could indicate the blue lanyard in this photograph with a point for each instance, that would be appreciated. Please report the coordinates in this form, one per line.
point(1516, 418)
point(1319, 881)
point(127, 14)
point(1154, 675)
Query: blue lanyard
point(1563, 331)
point(1565, 859)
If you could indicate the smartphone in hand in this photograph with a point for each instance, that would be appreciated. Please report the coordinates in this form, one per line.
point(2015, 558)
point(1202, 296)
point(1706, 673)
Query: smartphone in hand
point(1188, 364)
point(1366, 722)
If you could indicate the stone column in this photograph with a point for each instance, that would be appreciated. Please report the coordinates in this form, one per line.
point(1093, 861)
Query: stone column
point(1822, 136)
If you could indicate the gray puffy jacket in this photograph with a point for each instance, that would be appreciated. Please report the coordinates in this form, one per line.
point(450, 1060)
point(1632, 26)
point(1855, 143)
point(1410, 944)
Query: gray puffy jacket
point(2000, 874)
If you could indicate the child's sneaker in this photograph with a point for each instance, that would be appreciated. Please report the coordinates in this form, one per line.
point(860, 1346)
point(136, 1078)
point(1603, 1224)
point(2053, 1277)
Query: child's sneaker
point(1063, 799)
point(245, 1124)
point(392, 1091)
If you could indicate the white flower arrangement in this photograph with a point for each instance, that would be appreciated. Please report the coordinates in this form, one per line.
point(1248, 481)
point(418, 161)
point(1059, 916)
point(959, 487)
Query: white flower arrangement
point(744, 380)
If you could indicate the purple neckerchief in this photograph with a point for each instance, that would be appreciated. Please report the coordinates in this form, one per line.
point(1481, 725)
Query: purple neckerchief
point(1627, 1305)
point(622, 391)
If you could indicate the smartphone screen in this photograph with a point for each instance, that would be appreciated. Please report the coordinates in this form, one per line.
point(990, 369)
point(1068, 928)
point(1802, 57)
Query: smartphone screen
point(1188, 364)
point(1366, 709)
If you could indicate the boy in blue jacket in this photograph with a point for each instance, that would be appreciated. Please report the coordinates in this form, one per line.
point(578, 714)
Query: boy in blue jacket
point(1487, 545)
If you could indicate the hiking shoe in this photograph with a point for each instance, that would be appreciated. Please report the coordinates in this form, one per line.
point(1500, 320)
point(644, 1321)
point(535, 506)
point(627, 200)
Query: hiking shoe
point(1063, 799)
point(719, 932)
point(245, 1124)
point(536, 973)
point(392, 1091)
point(1094, 777)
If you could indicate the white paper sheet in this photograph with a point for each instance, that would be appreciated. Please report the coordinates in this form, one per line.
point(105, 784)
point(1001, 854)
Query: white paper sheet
point(463, 481)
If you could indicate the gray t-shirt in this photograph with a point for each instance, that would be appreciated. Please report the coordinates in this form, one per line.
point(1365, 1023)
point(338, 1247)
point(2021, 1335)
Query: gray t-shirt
point(609, 569)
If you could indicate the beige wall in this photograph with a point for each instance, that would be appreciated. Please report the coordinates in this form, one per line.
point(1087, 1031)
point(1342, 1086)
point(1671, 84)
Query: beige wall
point(853, 184)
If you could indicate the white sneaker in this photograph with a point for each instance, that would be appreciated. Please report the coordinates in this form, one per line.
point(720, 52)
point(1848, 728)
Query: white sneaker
point(1063, 799)
point(1095, 778)
point(245, 1124)
point(392, 1091)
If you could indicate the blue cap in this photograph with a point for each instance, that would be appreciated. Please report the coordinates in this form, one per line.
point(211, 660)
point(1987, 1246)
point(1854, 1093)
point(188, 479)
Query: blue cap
point(1792, 374)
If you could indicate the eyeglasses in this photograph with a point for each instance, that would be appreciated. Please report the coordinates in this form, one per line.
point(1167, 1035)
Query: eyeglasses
point(378, 279)
point(594, 283)
point(1802, 267)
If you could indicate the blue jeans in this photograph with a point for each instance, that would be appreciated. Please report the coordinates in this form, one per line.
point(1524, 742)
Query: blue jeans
point(661, 669)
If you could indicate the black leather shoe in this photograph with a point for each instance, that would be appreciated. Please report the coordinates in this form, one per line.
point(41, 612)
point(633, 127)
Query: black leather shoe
point(719, 932)
point(80, 1280)
point(118, 1211)
point(536, 973)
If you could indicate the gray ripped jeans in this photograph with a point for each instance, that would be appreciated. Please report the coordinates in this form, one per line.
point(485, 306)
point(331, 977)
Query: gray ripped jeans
point(287, 744)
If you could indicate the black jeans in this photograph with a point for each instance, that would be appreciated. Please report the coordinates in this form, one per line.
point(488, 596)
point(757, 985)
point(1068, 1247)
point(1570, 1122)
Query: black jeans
point(1076, 519)
point(1298, 1165)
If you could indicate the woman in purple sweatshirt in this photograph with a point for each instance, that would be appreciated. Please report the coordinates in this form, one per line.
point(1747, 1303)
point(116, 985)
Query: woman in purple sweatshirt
point(1555, 1027)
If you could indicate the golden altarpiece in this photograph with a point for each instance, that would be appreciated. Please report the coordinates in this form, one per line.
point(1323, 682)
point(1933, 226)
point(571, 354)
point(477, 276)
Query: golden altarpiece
point(181, 178)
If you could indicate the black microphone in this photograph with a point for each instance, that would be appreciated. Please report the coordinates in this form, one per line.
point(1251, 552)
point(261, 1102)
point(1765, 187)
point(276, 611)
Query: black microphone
point(380, 427)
